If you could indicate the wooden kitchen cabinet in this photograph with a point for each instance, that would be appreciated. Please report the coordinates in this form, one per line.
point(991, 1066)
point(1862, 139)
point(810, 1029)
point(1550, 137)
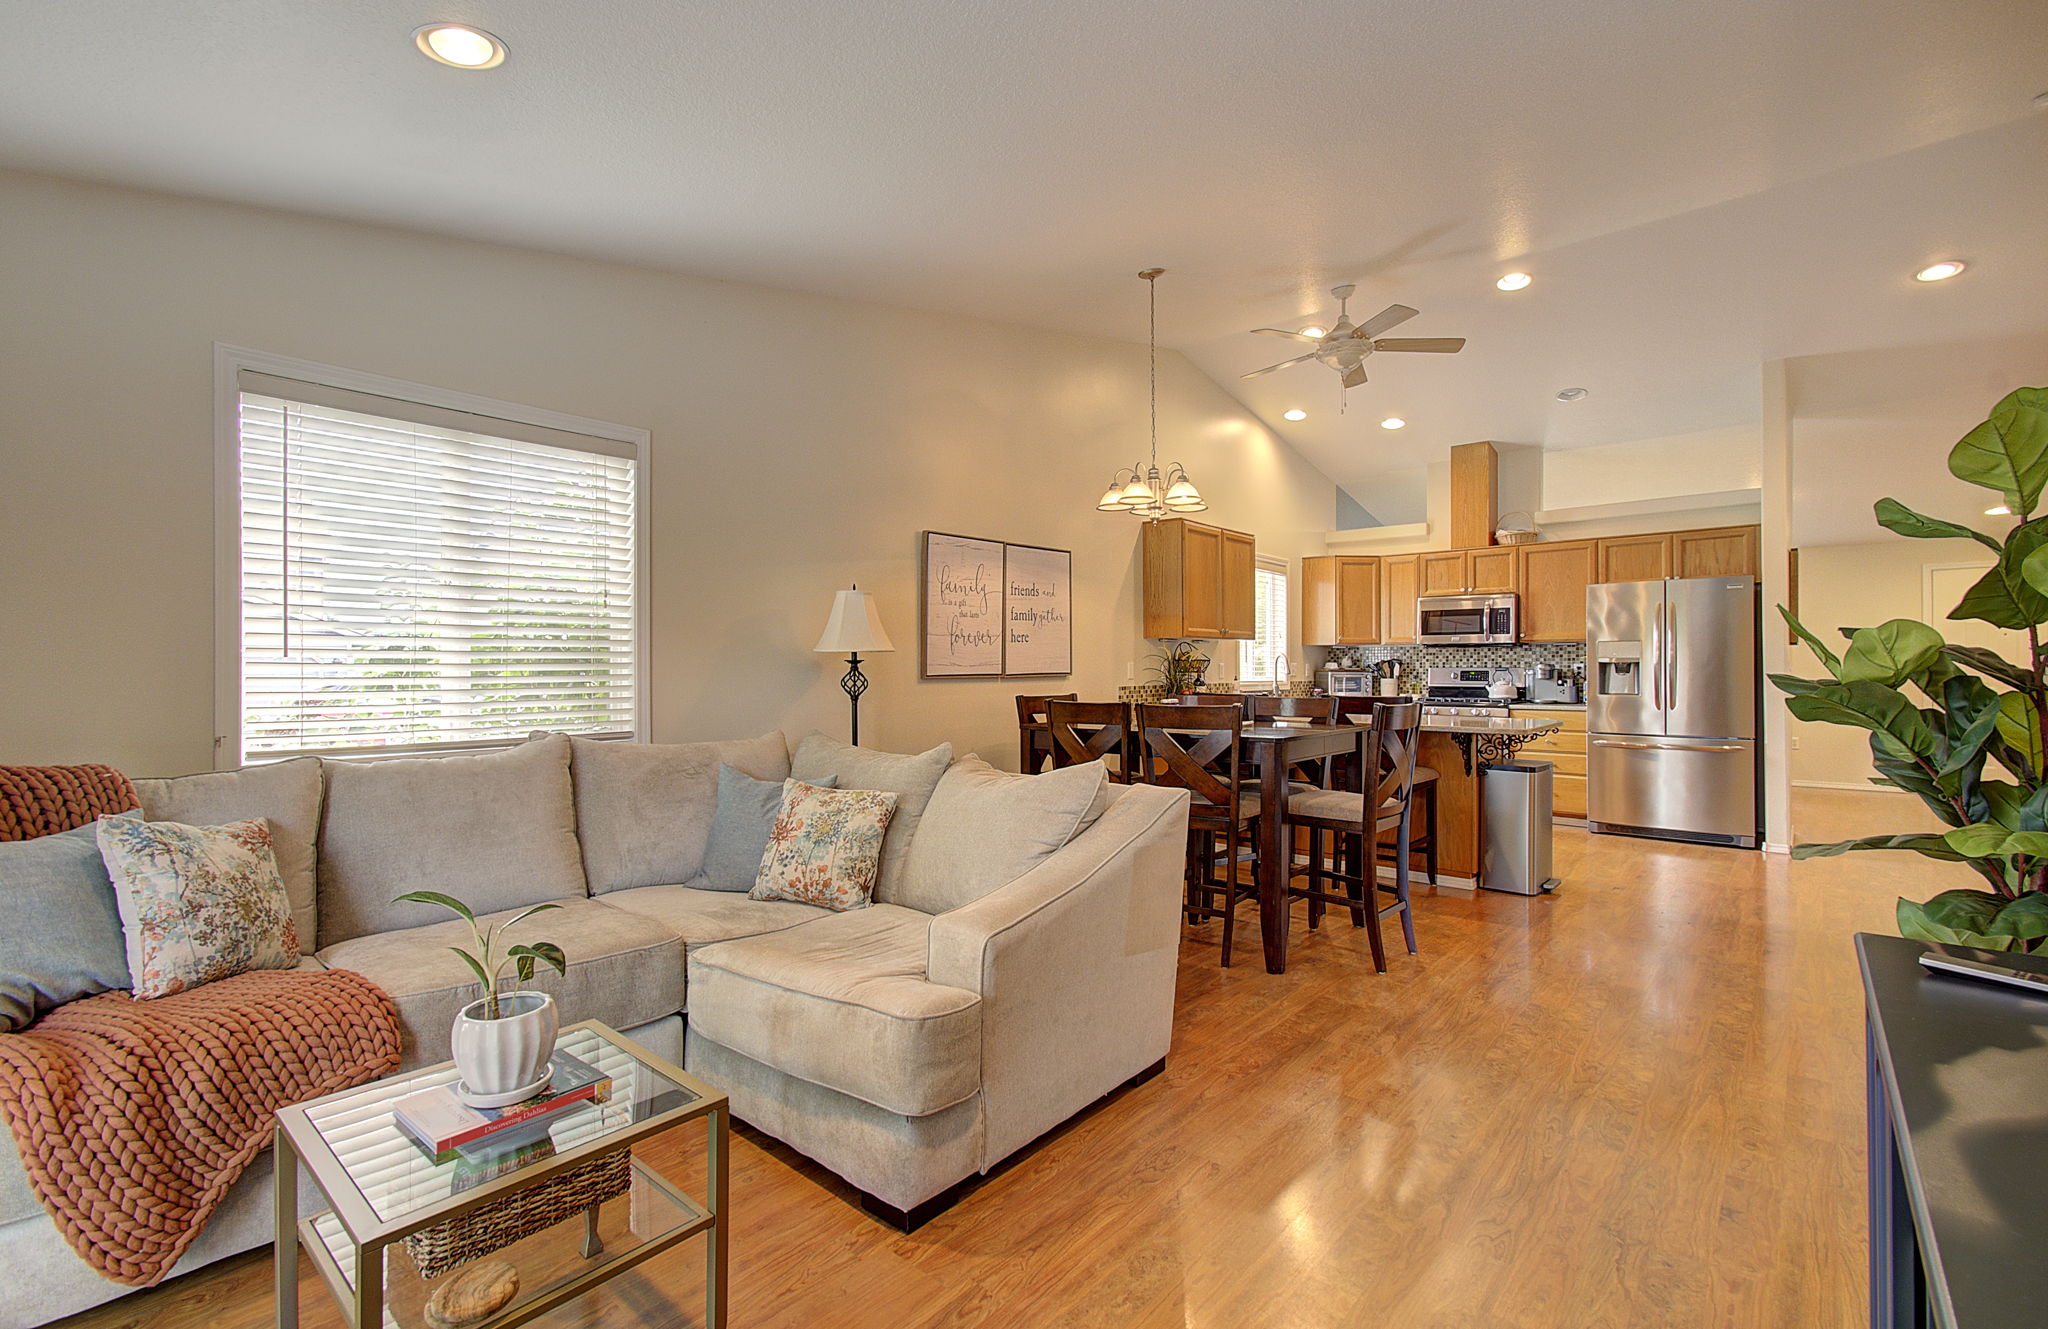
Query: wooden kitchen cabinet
point(1636, 558)
point(1199, 581)
point(1399, 586)
point(1468, 571)
point(1554, 578)
point(1340, 601)
point(1565, 750)
point(1726, 551)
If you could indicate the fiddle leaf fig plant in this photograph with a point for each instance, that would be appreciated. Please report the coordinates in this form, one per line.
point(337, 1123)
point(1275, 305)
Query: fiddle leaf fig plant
point(486, 962)
point(1962, 727)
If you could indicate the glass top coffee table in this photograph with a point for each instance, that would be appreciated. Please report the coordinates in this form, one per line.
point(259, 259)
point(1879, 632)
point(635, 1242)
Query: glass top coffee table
point(381, 1189)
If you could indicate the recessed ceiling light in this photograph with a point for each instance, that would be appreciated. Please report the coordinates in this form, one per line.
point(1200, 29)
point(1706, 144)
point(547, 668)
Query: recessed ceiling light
point(1296, 414)
point(1315, 330)
point(1392, 422)
point(460, 46)
point(1571, 394)
point(2000, 511)
point(1514, 281)
point(1940, 271)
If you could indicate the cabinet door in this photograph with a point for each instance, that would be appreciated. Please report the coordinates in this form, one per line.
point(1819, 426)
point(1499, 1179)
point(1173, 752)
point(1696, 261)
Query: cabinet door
point(1444, 574)
point(1636, 558)
point(1398, 584)
point(1201, 584)
point(1240, 620)
point(1490, 570)
point(1726, 551)
point(1554, 580)
point(1358, 601)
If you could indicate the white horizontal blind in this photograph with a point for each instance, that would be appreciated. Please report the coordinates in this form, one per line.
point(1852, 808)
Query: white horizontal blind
point(1257, 657)
point(408, 585)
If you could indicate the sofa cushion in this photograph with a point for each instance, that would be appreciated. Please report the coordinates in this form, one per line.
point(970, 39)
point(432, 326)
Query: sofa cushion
point(747, 809)
point(985, 828)
point(843, 1002)
point(701, 916)
point(643, 810)
point(910, 778)
point(285, 793)
point(624, 969)
point(62, 938)
point(496, 831)
point(198, 903)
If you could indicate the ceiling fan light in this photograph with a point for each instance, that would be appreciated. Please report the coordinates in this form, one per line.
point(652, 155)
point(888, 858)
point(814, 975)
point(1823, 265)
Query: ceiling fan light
point(1315, 330)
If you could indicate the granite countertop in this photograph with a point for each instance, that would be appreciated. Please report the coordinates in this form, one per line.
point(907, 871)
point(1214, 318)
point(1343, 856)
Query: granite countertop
point(1487, 724)
point(1547, 705)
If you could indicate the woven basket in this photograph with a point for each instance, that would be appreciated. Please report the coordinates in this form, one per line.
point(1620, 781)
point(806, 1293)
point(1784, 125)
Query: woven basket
point(1506, 536)
point(481, 1232)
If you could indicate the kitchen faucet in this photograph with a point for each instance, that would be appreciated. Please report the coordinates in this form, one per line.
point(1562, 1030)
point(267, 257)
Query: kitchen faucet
point(1279, 673)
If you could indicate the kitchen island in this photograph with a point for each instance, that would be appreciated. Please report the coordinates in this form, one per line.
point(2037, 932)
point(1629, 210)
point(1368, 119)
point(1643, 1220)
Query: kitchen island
point(1457, 748)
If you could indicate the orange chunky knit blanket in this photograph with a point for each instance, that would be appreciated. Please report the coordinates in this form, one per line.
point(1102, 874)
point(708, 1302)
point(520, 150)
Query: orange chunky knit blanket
point(133, 1118)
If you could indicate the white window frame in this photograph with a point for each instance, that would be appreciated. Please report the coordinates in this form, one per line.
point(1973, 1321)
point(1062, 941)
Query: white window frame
point(1281, 568)
point(228, 363)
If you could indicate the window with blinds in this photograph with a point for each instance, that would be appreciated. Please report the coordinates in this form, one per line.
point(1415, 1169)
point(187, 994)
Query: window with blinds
point(414, 578)
point(1257, 657)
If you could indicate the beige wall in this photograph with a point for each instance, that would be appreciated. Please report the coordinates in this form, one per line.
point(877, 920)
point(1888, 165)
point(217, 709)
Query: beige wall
point(799, 444)
point(1860, 586)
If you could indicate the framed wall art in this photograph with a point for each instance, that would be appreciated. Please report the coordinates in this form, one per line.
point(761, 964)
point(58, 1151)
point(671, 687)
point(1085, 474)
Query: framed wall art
point(961, 607)
point(1038, 602)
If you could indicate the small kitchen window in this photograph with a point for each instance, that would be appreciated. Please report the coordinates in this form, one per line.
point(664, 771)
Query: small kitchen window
point(1258, 657)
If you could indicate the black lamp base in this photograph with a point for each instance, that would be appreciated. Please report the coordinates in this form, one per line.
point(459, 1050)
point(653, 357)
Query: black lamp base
point(853, 685)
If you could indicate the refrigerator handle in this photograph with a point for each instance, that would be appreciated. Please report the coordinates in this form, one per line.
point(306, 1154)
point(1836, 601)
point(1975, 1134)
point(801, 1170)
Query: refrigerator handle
point(1671, 651)
point(1657, 662)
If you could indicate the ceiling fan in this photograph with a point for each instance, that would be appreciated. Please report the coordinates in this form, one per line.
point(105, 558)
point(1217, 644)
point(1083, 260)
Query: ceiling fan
point(1344, 347)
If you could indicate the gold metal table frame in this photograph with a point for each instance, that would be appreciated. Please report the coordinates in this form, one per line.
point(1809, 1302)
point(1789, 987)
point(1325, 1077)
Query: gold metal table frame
point(348, 1241)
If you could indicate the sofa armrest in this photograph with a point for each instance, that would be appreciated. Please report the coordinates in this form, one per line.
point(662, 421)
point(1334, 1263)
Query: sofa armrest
point(1075, 962)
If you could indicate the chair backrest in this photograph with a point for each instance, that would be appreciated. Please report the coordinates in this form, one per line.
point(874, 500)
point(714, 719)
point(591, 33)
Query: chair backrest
point(1237, 699)
point(1396, 731)
point(1196, 748)
point(1322, 710)
point(1031, 710)
point(1085, 731)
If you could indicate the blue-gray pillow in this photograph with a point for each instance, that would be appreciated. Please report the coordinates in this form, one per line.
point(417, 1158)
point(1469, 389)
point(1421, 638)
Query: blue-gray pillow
point(63, 936)
point(740, 827)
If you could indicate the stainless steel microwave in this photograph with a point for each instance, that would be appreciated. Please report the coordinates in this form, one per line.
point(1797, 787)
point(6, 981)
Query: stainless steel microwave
point(1466, 620)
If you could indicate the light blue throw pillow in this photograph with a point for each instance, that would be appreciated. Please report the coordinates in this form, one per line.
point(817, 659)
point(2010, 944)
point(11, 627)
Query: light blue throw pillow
point(740, 827)
point(62, 939)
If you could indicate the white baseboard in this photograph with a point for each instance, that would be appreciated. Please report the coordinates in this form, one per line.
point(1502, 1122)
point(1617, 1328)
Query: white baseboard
point(1771, 847)
point(1862, 787)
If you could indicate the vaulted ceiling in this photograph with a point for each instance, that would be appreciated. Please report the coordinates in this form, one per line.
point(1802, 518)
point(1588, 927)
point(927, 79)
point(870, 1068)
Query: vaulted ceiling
point(1695, 188)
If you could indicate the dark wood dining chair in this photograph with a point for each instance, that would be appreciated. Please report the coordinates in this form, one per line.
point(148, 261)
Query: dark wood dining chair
point(1357, 821)
point(1201, 749)
point(1033, 744)
point(1424, 842)
point(1237, 699)
point(1085, 731)
point(1316, 772)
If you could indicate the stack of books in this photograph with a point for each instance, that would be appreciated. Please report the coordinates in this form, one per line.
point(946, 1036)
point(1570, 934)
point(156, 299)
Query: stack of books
point(489, 1142)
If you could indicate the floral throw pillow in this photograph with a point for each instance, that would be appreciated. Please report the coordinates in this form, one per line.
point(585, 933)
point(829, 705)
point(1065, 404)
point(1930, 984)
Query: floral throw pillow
point(197, 902)
point(826, 846)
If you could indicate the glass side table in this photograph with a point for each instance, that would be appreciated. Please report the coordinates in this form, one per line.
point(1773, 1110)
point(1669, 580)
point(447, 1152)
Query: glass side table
point(380, 1188)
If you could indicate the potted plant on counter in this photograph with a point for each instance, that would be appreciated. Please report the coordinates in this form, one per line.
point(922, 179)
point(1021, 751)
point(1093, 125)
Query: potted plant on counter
point(1962, 727)
point(502, 1040)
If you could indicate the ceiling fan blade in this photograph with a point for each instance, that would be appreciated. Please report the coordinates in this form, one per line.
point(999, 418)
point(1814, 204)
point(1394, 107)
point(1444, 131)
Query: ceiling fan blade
point(1355, 376)
point(1282, 332)
point(1390, 317)
point(1445, 344)
point(1282, 365)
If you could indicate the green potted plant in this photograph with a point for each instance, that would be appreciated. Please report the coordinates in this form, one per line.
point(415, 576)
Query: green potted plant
point(1961, 726)
point(1180, 669)
point(503, 1040)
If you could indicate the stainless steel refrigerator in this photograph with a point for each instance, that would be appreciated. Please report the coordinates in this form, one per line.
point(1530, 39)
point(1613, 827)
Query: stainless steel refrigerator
point(1671, 709)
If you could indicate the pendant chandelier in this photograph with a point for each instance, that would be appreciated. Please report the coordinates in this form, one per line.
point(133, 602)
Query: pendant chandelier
point(1141, 490)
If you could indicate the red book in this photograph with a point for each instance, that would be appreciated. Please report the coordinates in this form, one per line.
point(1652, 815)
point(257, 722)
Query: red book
point(440, 1121)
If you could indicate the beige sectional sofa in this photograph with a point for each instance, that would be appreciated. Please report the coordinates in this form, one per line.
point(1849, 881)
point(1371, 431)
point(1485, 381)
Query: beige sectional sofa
point(907, 1046)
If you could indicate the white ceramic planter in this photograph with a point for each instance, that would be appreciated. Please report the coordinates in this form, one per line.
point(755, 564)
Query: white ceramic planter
point(505, 1060)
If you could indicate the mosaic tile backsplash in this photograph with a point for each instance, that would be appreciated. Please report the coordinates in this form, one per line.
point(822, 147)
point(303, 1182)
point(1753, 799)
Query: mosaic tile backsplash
point(1415, 659)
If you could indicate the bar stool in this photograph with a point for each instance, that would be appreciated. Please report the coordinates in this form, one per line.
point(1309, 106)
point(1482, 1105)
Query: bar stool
point(1033, 744)
point(1387, 767)
point(1200, 749)
point(1425, 791)
point(1085, 731)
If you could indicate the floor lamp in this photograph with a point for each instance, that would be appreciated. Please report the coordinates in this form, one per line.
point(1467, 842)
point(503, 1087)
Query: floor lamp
point(854, 627)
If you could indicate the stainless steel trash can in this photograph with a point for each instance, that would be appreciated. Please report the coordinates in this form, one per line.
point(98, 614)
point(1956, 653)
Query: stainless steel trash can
point(1515, 797)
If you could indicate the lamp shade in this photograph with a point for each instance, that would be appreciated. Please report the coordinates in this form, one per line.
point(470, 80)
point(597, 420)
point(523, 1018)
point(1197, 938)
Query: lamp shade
point(854, 625)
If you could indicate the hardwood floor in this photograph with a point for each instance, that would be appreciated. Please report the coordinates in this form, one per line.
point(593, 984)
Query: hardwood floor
point(1638, 1103)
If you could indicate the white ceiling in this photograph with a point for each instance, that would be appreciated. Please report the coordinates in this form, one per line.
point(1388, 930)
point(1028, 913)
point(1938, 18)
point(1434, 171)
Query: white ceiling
point(1697, 188)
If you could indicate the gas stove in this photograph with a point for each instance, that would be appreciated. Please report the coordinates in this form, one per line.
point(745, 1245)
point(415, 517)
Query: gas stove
point(1465, 692)
point(1457, 706)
